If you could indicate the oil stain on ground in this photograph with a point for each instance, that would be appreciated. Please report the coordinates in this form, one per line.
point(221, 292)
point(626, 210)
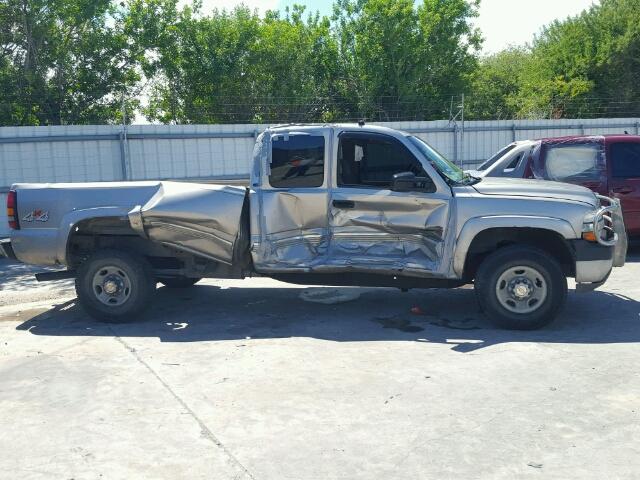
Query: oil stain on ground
point(404, 325)
point(398, 324)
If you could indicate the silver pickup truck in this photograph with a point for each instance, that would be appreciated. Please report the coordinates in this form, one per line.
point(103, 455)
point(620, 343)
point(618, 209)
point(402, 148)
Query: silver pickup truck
point(326, 205)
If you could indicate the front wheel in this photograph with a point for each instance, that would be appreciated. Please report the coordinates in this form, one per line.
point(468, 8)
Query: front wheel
point(115, 286)
point(521, 287)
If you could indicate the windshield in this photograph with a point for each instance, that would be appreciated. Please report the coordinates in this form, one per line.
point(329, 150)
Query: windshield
point(497, 156)
point(448, 170)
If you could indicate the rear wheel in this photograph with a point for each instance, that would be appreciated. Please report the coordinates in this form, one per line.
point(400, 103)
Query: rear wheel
point(115, 286)
point(178, 282)
point(521, 287)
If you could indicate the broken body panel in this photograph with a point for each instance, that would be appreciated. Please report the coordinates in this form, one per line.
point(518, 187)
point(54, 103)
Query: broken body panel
point(304, 214)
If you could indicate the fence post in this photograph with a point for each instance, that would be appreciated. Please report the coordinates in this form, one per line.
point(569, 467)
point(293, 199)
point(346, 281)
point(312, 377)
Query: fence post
point(455, 144)
point(462, 149)
point(513, 132)
point(123, 155)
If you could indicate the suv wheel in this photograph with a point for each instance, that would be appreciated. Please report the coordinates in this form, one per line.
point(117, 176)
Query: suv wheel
point(115, 286)
point(521, 287)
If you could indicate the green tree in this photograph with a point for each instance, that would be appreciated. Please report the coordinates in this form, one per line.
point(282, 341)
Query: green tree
point(64, 61)
point(584, 66)
point(496, 86)
point(233, 66)
point(399, 60)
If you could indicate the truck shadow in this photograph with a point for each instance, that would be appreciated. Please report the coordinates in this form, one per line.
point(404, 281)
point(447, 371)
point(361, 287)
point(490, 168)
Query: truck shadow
point(209, 313)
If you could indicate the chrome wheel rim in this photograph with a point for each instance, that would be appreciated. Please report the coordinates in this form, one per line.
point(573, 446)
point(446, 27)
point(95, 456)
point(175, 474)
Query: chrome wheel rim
point(521, 289)
point(111, 286)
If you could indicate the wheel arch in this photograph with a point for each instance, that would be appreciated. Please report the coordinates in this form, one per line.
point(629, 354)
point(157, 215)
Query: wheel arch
point(483, 235)
point(96, 233)
point(73, 220)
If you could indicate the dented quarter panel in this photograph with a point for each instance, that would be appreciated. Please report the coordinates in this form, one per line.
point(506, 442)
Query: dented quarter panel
point(200, 219)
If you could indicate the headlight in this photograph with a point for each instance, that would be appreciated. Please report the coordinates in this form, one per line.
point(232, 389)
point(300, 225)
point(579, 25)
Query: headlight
point(588, 232)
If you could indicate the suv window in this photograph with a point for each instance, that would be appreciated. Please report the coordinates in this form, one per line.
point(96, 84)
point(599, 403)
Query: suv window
point(496, 156)
point(372, 160)
point(625, 160)
point(297, 161)
point(573, 163)
point(514, 162)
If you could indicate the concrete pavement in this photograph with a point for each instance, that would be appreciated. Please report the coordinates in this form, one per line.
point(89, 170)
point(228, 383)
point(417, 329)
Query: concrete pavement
point(246, 379)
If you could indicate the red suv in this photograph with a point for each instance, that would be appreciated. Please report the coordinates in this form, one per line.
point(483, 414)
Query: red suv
point(609, 165)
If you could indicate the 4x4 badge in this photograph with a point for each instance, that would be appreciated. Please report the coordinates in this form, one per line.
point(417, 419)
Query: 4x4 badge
point(37, 216)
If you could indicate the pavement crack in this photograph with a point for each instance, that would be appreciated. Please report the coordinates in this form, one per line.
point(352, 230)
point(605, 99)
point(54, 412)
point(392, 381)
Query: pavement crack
point(205, 430)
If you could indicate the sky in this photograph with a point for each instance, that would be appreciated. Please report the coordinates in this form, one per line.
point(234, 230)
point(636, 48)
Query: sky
point(503, 22)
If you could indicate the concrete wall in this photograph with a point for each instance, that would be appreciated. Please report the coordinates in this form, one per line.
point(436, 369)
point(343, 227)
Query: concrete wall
point(208, 152)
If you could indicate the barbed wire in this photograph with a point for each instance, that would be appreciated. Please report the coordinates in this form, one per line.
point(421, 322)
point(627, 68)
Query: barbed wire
point(222, 108)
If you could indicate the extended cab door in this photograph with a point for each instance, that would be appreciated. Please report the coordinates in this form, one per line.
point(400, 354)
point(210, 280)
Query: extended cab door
point(289, 197)
point(375, 229)
point(624, 183)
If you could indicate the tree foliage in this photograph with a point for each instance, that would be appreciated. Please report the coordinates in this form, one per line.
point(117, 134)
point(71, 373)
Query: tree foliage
point(584, 66)
point(63, 61)
point(74, 61)
point(371, 59)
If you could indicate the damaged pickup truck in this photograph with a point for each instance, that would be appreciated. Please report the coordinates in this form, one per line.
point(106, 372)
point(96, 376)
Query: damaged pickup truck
point(326, 205)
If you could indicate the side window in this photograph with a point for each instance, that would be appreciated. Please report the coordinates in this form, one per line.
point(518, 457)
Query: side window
point(513, 164)
point(573, 163)
point(373, 160)
point(497, 156)
point(625, 160)
point(297, 161)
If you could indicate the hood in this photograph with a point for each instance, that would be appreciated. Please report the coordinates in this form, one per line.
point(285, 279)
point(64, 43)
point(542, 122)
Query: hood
point(516, 187)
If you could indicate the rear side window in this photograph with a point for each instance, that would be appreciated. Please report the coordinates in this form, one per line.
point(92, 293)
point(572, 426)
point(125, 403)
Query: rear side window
point(297, 161)
point(573, 163)
point(497, 156)
point(513, 164)
point(625, 160)
point(373, 160)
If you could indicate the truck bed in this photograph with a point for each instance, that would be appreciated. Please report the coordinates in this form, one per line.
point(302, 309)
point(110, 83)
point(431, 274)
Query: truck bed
point(197, 218)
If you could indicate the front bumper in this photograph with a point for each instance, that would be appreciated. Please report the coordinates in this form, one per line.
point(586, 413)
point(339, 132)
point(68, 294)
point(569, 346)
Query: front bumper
point(615, 232)
point(594, 263)
point(6, 250)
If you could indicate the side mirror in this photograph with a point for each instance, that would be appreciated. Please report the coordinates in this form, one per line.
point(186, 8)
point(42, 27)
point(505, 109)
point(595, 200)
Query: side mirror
point(408, 182)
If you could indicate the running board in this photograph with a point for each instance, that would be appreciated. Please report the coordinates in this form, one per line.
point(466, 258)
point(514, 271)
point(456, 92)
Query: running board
point(61, 275)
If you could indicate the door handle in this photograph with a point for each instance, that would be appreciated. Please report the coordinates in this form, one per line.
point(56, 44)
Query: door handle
point(623, 190)
point(344, 204)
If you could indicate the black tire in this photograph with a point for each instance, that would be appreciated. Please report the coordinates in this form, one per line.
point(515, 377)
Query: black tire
point(178, 282)
point(140, 285)
point(488, 285)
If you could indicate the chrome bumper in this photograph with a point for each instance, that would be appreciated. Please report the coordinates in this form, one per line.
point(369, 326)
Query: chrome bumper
point(611, 231)
point(594, 261)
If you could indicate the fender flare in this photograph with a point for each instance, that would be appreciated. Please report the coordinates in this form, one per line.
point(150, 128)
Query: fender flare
point(71, 219)
point(476, 225)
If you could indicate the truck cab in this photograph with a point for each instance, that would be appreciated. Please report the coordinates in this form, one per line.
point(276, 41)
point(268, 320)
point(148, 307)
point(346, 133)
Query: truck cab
point(326, 200)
